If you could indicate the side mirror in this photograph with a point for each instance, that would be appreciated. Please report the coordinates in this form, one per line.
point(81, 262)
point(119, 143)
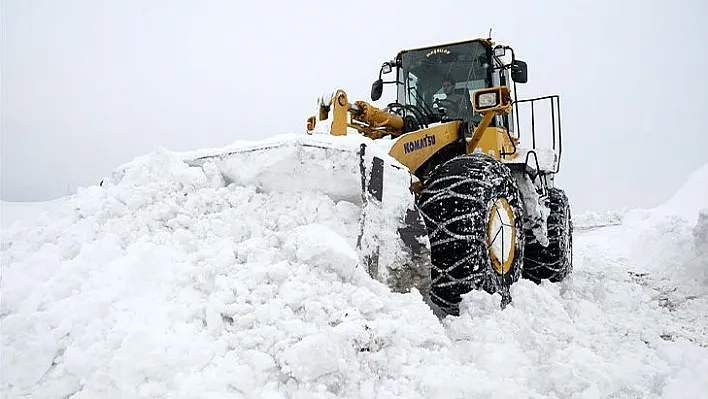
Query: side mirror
point(386, 68)
point(376, 90)
point(519, 72)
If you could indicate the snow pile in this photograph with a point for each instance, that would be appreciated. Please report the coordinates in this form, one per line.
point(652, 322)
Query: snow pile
point(685, 204)
point(670, 241)
point(691, 198)
point(593, 220)
point(183, 281)
point(27, 212)
point(645, 279)
point(700, 234)
point(286, 163)
point(167, 280)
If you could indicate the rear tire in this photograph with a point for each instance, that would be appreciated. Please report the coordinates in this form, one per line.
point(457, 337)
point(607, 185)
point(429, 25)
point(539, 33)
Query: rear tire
point(472, 209)
point(555, 261)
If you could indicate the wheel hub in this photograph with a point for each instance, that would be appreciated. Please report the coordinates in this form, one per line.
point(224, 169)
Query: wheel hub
point(501, 236)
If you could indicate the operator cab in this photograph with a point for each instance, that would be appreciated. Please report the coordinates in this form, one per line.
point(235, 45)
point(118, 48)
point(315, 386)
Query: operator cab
point(442, 78)
point(436, 83)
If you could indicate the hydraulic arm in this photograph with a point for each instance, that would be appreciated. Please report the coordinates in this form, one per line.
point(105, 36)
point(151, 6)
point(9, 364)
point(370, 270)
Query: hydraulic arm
point(369, 120)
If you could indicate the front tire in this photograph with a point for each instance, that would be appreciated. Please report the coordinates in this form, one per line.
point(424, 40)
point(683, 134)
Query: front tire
point(472, 209)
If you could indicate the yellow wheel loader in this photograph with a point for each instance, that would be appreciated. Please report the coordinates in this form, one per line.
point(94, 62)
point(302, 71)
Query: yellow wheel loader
point(452, 196)
point(483, 208)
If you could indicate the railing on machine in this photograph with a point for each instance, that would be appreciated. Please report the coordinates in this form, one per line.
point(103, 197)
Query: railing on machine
point(557, 137)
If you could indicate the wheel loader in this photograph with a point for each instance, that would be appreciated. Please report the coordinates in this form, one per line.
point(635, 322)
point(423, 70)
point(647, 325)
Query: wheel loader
point(485, 209)
point(452, 196)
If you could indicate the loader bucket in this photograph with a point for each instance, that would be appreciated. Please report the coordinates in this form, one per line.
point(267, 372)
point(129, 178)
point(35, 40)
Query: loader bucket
point(392, 241)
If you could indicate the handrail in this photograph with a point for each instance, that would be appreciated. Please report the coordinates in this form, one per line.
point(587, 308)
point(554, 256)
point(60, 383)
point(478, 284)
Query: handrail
point(557, 135)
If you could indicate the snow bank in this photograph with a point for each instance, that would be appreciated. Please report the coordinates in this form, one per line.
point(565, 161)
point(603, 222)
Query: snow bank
point(670, 241)
point(700, 234)
point(173, 281)
point(686, 204)
point(166, 280)
point(26, 212)
point(592, 220)
point(690, 199)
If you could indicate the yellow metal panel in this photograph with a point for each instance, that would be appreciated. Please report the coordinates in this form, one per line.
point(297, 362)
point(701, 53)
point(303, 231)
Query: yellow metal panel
point(479, 131)
point(340, 114)
point(488, 143)
point(494, 140)
point(413, 149)
point(505, 145)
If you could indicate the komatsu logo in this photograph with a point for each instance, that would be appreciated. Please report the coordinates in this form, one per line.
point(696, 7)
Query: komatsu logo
point(416, 145)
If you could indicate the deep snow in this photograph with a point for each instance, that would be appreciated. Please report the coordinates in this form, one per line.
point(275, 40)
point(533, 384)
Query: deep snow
point(169, 283)
point(24, 212)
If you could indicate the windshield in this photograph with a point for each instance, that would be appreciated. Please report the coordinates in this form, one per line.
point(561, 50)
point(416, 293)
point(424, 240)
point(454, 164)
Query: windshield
point(444, 77)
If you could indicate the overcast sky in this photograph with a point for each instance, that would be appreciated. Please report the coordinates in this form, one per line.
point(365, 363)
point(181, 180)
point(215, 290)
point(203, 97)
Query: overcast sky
point(88, 85)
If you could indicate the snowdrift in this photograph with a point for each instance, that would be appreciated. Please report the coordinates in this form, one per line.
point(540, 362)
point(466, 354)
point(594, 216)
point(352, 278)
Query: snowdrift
point(12, 213)
point(671, 241)
point(172, 281)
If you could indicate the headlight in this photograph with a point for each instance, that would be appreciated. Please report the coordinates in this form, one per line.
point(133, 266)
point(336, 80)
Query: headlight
point(487, 100)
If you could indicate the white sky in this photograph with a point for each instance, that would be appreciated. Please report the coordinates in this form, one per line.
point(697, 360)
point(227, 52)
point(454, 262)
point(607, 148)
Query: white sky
point(88, 85)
